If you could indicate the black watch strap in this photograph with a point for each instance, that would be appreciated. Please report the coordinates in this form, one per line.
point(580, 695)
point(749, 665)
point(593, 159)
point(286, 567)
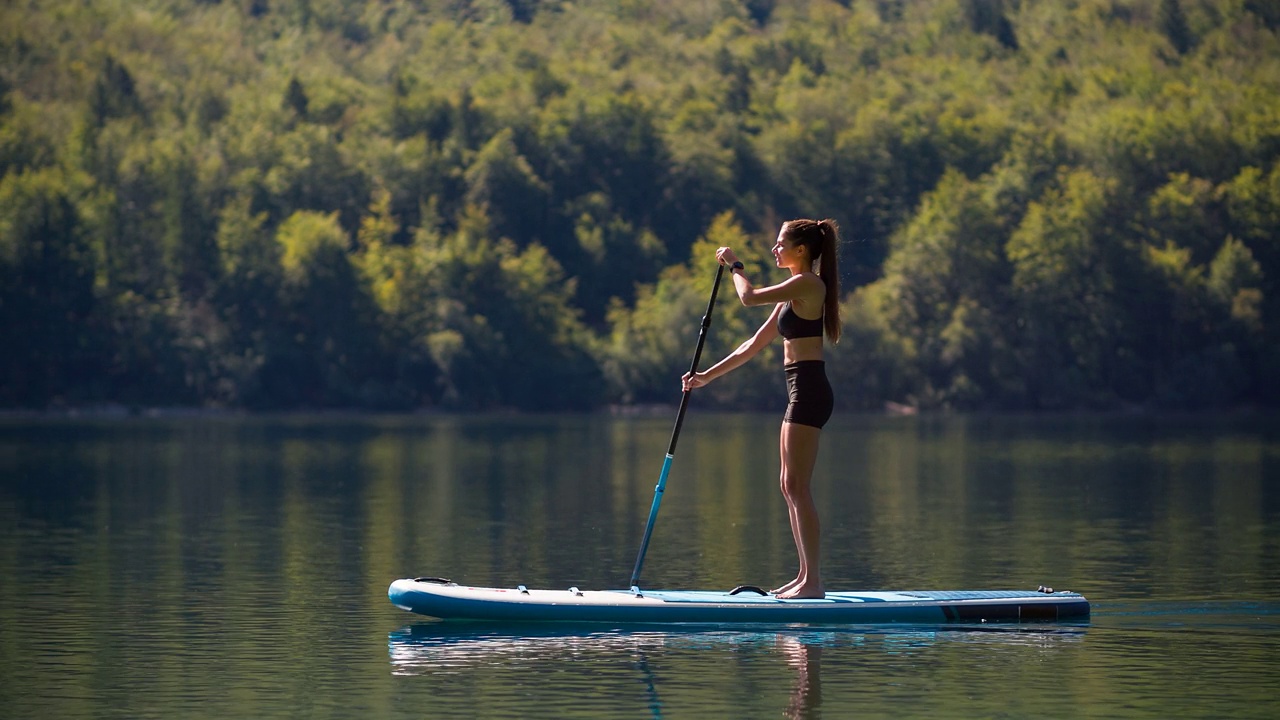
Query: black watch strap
point(737, 265)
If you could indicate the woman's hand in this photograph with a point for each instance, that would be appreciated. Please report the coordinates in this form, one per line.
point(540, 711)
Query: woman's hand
point(726, 256)
point(694, 380)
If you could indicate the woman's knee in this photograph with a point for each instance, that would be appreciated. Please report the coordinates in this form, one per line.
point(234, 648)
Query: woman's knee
point(793, 485)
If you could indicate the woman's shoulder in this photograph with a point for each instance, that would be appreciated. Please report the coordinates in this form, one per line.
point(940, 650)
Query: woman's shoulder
point(802, 289)
point(813, 295)
point(814, 283)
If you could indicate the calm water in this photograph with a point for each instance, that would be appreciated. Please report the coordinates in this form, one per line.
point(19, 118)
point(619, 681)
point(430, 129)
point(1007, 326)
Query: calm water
point(238, 567)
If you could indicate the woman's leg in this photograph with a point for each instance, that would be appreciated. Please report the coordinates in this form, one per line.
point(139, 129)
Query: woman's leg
point(798, 445)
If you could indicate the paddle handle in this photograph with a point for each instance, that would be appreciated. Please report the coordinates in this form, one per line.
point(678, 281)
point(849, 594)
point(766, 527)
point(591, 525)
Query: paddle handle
point(675, 434)
point(697, 356)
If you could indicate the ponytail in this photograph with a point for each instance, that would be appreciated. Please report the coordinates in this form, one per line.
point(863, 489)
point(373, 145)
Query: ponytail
point(822, 237)
point(829, 271)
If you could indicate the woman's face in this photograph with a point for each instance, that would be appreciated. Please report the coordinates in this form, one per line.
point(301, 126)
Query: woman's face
point(787, 254)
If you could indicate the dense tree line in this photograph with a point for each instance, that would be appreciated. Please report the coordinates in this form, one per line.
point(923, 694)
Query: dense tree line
point(403, 204)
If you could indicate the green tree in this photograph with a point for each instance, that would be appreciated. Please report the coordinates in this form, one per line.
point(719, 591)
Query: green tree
point(614, 256)
point(1252, 199)
point(326, 352)
point(501, 181)
point(309, 169)
point(1070, 317)
point(1187, 212)
point(26, 141)
point(1173, 23)
point(113, 93)
point(505, 323)
point(248, 298)
point(189, 244)
point(608, 145)
point(875, 362)
point(989, 16)
point(944, 285)
point(47, 299)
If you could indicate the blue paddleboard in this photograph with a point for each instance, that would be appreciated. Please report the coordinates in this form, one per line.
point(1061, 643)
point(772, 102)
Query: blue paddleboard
point(447, 600)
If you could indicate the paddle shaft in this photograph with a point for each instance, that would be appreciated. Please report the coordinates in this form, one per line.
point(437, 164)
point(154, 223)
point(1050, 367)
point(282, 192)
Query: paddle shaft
point(675, 434)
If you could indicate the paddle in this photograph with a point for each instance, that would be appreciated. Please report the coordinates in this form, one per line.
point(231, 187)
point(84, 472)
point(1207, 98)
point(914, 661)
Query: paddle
point(675, 435)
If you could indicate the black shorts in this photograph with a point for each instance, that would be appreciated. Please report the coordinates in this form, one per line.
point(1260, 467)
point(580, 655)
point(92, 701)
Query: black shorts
point(809, 397)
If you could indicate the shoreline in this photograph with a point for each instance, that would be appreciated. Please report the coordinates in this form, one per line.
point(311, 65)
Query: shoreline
point(119, 412)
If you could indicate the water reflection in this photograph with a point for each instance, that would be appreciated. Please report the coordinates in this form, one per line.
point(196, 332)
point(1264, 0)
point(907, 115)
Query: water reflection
point(444, 649)
point(446, 646)
point(805, 657)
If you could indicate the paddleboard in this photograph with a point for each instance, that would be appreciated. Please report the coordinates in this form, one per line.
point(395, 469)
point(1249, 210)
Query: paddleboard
point(447, 600)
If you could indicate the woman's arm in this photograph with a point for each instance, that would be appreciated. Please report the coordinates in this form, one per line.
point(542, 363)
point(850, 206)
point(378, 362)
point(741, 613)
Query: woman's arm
point(744, 352)
point(805, 287)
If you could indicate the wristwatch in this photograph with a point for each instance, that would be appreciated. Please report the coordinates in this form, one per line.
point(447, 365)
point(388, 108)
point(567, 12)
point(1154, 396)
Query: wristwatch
point(737, 265)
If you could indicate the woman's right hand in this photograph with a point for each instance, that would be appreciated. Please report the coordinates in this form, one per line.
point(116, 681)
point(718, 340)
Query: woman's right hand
point(693, 380)
point(726, 256)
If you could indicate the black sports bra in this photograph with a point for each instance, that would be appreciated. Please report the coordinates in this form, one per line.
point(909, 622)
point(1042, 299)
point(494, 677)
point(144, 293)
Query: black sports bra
point(792, 326)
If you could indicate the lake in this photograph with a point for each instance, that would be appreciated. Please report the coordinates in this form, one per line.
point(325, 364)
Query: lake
point(238, 566)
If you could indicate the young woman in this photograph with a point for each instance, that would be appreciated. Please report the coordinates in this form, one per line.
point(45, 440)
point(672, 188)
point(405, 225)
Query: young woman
point(805, 306)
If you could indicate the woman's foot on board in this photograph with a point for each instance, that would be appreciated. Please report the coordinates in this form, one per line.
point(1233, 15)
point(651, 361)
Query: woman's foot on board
point(803, 591)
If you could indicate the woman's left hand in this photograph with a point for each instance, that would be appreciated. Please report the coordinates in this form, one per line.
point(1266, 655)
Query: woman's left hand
point(694, 380)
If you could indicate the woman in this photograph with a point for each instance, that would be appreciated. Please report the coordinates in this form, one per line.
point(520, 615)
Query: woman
point(804, 306)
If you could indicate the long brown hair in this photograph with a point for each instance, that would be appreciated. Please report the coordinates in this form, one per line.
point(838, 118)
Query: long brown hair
point(821, 238)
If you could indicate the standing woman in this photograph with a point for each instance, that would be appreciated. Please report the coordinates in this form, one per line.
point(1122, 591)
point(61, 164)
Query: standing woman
point(804, 306)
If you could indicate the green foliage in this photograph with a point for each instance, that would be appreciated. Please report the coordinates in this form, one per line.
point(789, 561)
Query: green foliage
point(25, 139)
point(46, 290)
point(515, 203)
point(650, 346)
point(874, 362)
point(1234, 280)
point(327, 353)
point(989, 16)
point(308, 238)
point(945, 280)
point(1173, 23)
point(1064, 289)
point(501, 181)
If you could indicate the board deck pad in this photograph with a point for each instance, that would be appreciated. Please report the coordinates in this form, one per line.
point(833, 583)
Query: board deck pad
point(838, 597)
point(447, 600)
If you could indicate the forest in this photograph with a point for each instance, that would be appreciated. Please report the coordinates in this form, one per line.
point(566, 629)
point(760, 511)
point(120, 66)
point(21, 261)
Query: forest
point(409, 205)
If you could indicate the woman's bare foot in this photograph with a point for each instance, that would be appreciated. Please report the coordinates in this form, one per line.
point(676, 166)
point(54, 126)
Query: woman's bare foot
point(804, 591)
